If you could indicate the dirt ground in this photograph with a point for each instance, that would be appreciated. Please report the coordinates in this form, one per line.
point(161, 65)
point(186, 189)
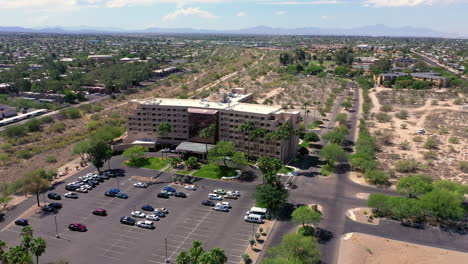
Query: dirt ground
point(434, 111)
point(367, 249)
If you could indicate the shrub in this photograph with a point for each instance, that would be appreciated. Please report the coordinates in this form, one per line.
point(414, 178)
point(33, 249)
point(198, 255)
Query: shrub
point(58, 127)
point(386, 108)
point(311, 136)
point(458, 101)
point(51, 159)
point(431, 143)
point(377, 177)
point(434, 102)
point(16, 131)
point(326, 170)
point(92, 125)
point(443, 130)
point(406, 166)
point(418, 139)
point(71, 113)
point(403, 126)
point(405, 145)
point(24, 154)
point(403, 114)
point(95, 117)
point(383, 117)
point(46, 120)
point(430, 155)
point(453, 140)
point(463, 166)
point(246, 259)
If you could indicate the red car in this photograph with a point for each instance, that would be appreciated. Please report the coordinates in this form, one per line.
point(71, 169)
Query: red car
point(77, 227)
point(100, 211)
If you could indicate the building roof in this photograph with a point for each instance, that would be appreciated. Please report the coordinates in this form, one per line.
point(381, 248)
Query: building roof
point(193, 147)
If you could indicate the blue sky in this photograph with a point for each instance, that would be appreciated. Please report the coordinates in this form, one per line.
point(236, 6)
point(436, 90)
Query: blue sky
point(442, 15)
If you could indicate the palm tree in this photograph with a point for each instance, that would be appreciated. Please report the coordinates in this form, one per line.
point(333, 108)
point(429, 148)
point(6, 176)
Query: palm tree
point(38, 247)
point(305, 105)
point(206, 133)
point(164, 129)
point(33, 183)
point(245, 129)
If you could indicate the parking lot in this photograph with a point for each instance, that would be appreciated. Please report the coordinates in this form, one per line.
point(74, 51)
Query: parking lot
point(109, 241)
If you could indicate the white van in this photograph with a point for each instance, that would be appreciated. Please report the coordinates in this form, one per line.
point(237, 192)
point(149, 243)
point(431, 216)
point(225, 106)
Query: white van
point(258, 211)
point(254, 218)
point(213, 196)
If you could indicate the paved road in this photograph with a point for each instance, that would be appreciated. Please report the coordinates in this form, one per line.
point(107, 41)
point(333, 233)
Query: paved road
point(337, 194)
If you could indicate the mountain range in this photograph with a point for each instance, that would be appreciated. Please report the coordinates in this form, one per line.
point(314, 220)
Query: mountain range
point(374, 30)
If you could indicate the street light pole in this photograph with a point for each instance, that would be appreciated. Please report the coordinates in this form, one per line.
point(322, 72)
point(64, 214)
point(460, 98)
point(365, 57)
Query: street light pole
point(56, 227)
point(167, 260)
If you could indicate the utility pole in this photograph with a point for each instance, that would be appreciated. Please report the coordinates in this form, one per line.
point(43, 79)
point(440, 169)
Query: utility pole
point(167, 260)
point(56, 227)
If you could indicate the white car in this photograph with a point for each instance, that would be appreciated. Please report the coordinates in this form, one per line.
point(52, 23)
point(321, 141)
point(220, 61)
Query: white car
point(140, 185)
point(87, 187)
point(225, 204)
point(152, 217)
point(234, 193)
point(71, 195)
point(82, 190)
point(220, 208)
point(213, 196)
point(162, 209)
point(219, 191)
point(138, 214)
point(230, 196)
point(190, 187)
point(145, 224)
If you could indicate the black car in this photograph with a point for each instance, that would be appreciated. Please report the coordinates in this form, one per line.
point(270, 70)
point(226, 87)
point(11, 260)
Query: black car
point(48, 209)
point(110, 194)
point(127, 220)
point(163, 195)
point(180, 194)
point(208, 203)
point(55, 205)
point(100, 211)
point(77, 227)
point(147, 208)
point(71, 187)
point(21, 222)
point(54, 196)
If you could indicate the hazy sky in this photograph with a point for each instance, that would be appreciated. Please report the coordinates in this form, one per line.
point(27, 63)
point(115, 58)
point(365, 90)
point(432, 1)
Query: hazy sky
point(443, 15)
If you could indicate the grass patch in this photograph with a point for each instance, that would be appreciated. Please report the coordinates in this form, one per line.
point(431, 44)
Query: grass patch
point(168, 169)
point(154, 163)
point(184, 172)
point(306, 231)
point(315, 124)
point(304, 144)
point(214, 171)
point(326, 170)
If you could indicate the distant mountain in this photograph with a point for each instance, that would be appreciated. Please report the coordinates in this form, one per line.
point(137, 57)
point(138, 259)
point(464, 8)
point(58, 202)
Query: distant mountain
point(374, 30)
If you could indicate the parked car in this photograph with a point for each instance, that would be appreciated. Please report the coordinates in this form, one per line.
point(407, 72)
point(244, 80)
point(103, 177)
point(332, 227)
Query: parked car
point(153, 217)
point(100, 211)
point(230, 196)
point(162, 209)
point(114, 190)
point(180, 194)
point(167, 192)
point(48, 209)
point(159, 213)
point(421, 131)
point(220, 208)
point(213, 196)
point(87, 187)
point(122, 196)
point(219, 191)
point(55, 205)
point(145, 224)
point(71, 187)
point(82, 190)
point(163, 195)
point(190, 187)
point(22, 222)
point(169, 189)
point(138, 214)
point(147, 208)
point(110, 194)
point(208, 203)
point(225, 204)
point(54, 196)
point(234, 193)
point(71, 195)
point(140, 185)
point(127, 220)
point(77, 227)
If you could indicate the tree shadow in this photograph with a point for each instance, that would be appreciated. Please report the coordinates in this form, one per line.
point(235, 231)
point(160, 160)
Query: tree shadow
point(248, 176)
point(323, 235)
point(342, 168)
point(284, 214)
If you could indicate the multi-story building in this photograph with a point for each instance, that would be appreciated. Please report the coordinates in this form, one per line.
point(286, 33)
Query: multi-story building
point(188, 117)
point(434, 78)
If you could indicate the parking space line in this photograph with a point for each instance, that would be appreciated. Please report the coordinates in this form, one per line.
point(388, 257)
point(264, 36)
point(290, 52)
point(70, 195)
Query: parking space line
point(153, 261)
point(123, 241)
point(110, 250)
point(242, 251)
point(227, 254)
point(114, 258)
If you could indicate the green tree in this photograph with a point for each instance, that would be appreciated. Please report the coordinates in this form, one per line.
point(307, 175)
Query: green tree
point(225, 151)
point(272, 197)
point(192, 162)
point(379, 202)
point(414, 186)
point(4, 157)
point(305, 215)
point(444, 204)
point(246, 129)
point(341, 118)
point(163, 130)
point(174, 161)
point(207, 133)
point(81, 148)
point(332, 153)
point(34, 183)
point(99, 152)
point(4, 200)
point(22, 253)
point(347, 105)
point(337, 135)
point(38, 247)
point(378, 177)
point(135, 154)
point(270, 167)
point(213, 256)
point(33, 125)
point(297, 249)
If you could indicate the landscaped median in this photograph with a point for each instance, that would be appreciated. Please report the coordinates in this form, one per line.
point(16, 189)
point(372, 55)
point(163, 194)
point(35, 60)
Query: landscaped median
point(214, 171)
point(153, 163)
